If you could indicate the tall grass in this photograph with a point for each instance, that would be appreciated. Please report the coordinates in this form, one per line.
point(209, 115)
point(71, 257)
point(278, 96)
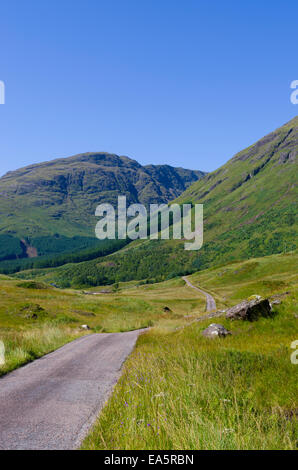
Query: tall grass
point(25, 346)
point(182, 391)
point(61, 312)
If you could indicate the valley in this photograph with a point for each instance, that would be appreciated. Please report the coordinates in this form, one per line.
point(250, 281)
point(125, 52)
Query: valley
point(148, 230)
point(178, 389)
point(250, 210)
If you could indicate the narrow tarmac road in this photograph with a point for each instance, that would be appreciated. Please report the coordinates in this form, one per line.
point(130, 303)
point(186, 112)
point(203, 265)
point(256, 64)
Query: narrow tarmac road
point(52, 402)
point(210, 302)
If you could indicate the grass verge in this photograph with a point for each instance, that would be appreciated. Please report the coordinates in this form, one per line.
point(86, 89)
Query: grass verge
point(22, 347)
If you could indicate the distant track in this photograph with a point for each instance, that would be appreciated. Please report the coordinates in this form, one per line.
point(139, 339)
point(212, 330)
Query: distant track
point(210, 302)
point(52, 402)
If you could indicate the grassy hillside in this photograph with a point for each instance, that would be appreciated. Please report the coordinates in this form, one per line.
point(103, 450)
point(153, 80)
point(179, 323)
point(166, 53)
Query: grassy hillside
point(180, 390)
point(250, 210)
point(41, 202)
point(251, 202)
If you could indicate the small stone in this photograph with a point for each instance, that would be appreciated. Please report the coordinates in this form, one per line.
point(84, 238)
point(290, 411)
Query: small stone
point(215, 330)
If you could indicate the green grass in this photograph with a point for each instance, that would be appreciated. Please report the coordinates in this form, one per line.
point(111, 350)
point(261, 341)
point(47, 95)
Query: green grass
point(180, 390)
point(25, 345)
point(263, 276)
point(36, 318)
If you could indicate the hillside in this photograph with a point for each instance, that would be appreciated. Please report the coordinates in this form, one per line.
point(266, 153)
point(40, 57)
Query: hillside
point(59, 198)
point(249, 211)
point(250, 203)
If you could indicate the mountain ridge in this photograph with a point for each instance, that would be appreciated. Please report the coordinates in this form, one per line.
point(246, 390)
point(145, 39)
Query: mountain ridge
point(44, 201)
point(79, 183)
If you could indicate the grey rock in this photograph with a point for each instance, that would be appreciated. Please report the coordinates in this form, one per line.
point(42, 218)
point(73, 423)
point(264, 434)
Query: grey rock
point(250, 310)
point(215, 330)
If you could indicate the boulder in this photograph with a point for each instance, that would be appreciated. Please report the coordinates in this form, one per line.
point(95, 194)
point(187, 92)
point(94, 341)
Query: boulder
point(250, 310)
point(215, 330)
point(85, 327)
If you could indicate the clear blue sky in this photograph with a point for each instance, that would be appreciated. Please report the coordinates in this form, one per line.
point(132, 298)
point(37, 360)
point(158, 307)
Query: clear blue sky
point(183, 82)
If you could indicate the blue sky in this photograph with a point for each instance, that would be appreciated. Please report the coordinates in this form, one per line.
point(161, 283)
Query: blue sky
point(182, 82)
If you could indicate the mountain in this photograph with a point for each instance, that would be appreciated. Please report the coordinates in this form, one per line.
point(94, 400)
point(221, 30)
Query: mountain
point(250, 210)
point(251, 202)
point(58, 198)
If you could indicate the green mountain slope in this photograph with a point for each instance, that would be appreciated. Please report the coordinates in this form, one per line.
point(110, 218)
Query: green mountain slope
point(60, 197)
point(249, 211)
point(250, 203)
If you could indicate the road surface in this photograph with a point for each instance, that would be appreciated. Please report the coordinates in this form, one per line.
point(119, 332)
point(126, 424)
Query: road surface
point(210, 302)
point(52, 402)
